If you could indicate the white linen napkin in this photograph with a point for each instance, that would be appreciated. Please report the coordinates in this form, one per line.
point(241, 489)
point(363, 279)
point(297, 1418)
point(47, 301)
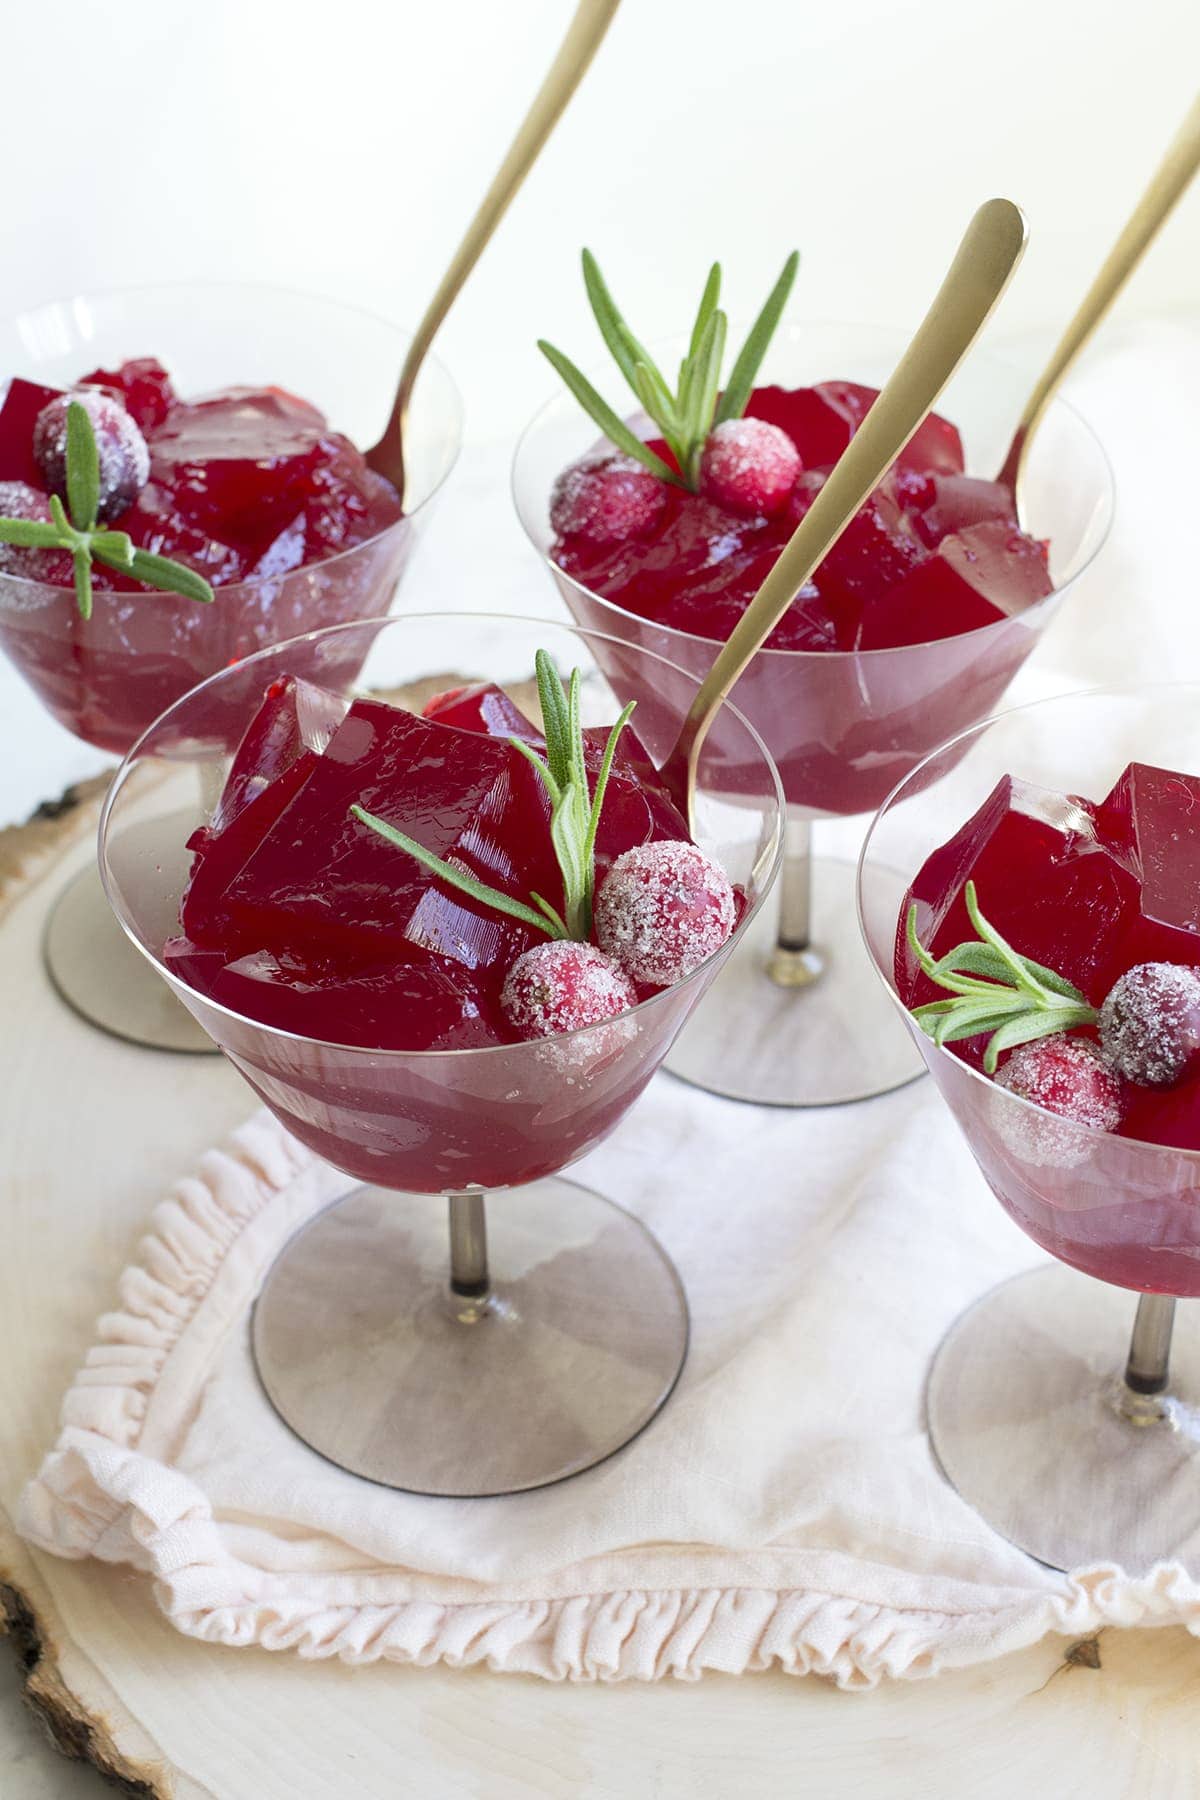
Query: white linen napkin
point(785, 1506)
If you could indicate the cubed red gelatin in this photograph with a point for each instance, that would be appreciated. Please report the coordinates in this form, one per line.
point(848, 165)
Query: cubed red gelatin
point(934, 553)
point(1090, 890)
point(302, 916)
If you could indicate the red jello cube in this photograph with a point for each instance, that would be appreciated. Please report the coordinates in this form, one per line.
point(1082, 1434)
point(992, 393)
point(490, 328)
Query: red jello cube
point(321, 878)
point(935, 445)
point(814, 418)
point(23, 401)
point(953, 503)
point(295, 716)
point(1151, 821)
point(975, 577)
point(221, 856)
point(482, 707)
point(821, 420)
point(143, 384)
point(1168, 1116)
point(240, 465)
point(155, 523)
point(419, 1003)
point(637, 807)
point(1042, 878)
point(931, 602)
point(875, 554)
point(1000, 563)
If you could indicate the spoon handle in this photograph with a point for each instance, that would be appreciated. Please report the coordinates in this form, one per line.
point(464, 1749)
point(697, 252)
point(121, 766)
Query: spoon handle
point(1170, 183)
point(584, 36)
point(989, 252)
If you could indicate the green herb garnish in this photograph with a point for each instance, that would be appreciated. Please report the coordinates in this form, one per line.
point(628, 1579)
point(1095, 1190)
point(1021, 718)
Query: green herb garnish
point(574, 814)
point(687, 415)
point(996, 990)
point(85, 541)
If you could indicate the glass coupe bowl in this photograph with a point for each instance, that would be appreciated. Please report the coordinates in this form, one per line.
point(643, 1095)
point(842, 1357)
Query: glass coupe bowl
point(1077, 1445)
point(799, 998)
point(557, 1327)
point(107, 678)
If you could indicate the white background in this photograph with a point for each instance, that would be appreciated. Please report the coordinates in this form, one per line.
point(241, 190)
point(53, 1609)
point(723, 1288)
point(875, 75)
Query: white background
point(342, 147)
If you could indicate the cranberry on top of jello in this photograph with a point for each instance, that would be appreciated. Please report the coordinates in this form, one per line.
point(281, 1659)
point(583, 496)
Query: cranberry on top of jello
point(448, 881)
point(683, 528)
point(248, 482)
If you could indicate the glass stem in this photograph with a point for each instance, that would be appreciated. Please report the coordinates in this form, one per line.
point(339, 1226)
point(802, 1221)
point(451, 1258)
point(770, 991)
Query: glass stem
point(793, 962)
point(1150, 1347)
point(468, 1245)
point(795, 886)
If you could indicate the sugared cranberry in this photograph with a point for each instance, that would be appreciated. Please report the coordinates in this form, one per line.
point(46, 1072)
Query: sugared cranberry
point(1069, 1078)
point(1150, 1023)
point(662, 911)
point(605, 499)
point(20, 501)
point(124, 458)
point(749, 466)
point(562, 986)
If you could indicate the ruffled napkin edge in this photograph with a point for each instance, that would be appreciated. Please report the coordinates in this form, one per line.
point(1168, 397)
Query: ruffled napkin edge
point(97, 1494)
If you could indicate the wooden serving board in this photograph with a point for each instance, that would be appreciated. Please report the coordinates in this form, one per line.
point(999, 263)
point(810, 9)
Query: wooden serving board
point(93, 1131)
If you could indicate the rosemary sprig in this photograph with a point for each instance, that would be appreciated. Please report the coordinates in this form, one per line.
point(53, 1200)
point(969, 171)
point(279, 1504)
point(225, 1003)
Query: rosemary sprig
point(84, 540)
point(995, 989)
point(574, 814)
point(686, 415)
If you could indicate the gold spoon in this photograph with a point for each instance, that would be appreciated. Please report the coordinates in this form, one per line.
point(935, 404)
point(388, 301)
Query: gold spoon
point(591, 21)
point(1170, 183)
point(990, 251)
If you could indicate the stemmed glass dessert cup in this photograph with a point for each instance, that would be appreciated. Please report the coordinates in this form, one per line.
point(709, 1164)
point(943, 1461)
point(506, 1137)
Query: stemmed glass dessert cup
point(798, 1000)
point(1077, 1443)
point(107, 678)
point(555, 1327)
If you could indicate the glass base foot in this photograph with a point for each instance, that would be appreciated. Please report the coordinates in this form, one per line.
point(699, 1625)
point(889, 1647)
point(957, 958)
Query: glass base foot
point(818, 1030)
point(103, 978)
point(370, 1359)
point(1033, 1425)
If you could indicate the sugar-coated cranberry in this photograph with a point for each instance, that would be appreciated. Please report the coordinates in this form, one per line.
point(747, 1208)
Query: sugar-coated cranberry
point(1069, 1078)
point(749, 466)
point(562, 986)
point(124, 458)
point(606, 499)
point(55, 567)
point(1150, 1023)
point(663, 909)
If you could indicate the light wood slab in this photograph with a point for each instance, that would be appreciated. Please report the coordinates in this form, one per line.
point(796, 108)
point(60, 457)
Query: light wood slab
point(92, 1132)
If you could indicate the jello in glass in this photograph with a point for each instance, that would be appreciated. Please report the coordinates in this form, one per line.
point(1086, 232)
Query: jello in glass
point(1076, 843)
point(913, 628)
point(252, 402)
point(364, 1001)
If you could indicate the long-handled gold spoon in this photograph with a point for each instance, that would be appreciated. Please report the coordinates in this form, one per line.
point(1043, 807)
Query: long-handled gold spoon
point(591, 21)
point(1170, 183)
point(981, 270)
